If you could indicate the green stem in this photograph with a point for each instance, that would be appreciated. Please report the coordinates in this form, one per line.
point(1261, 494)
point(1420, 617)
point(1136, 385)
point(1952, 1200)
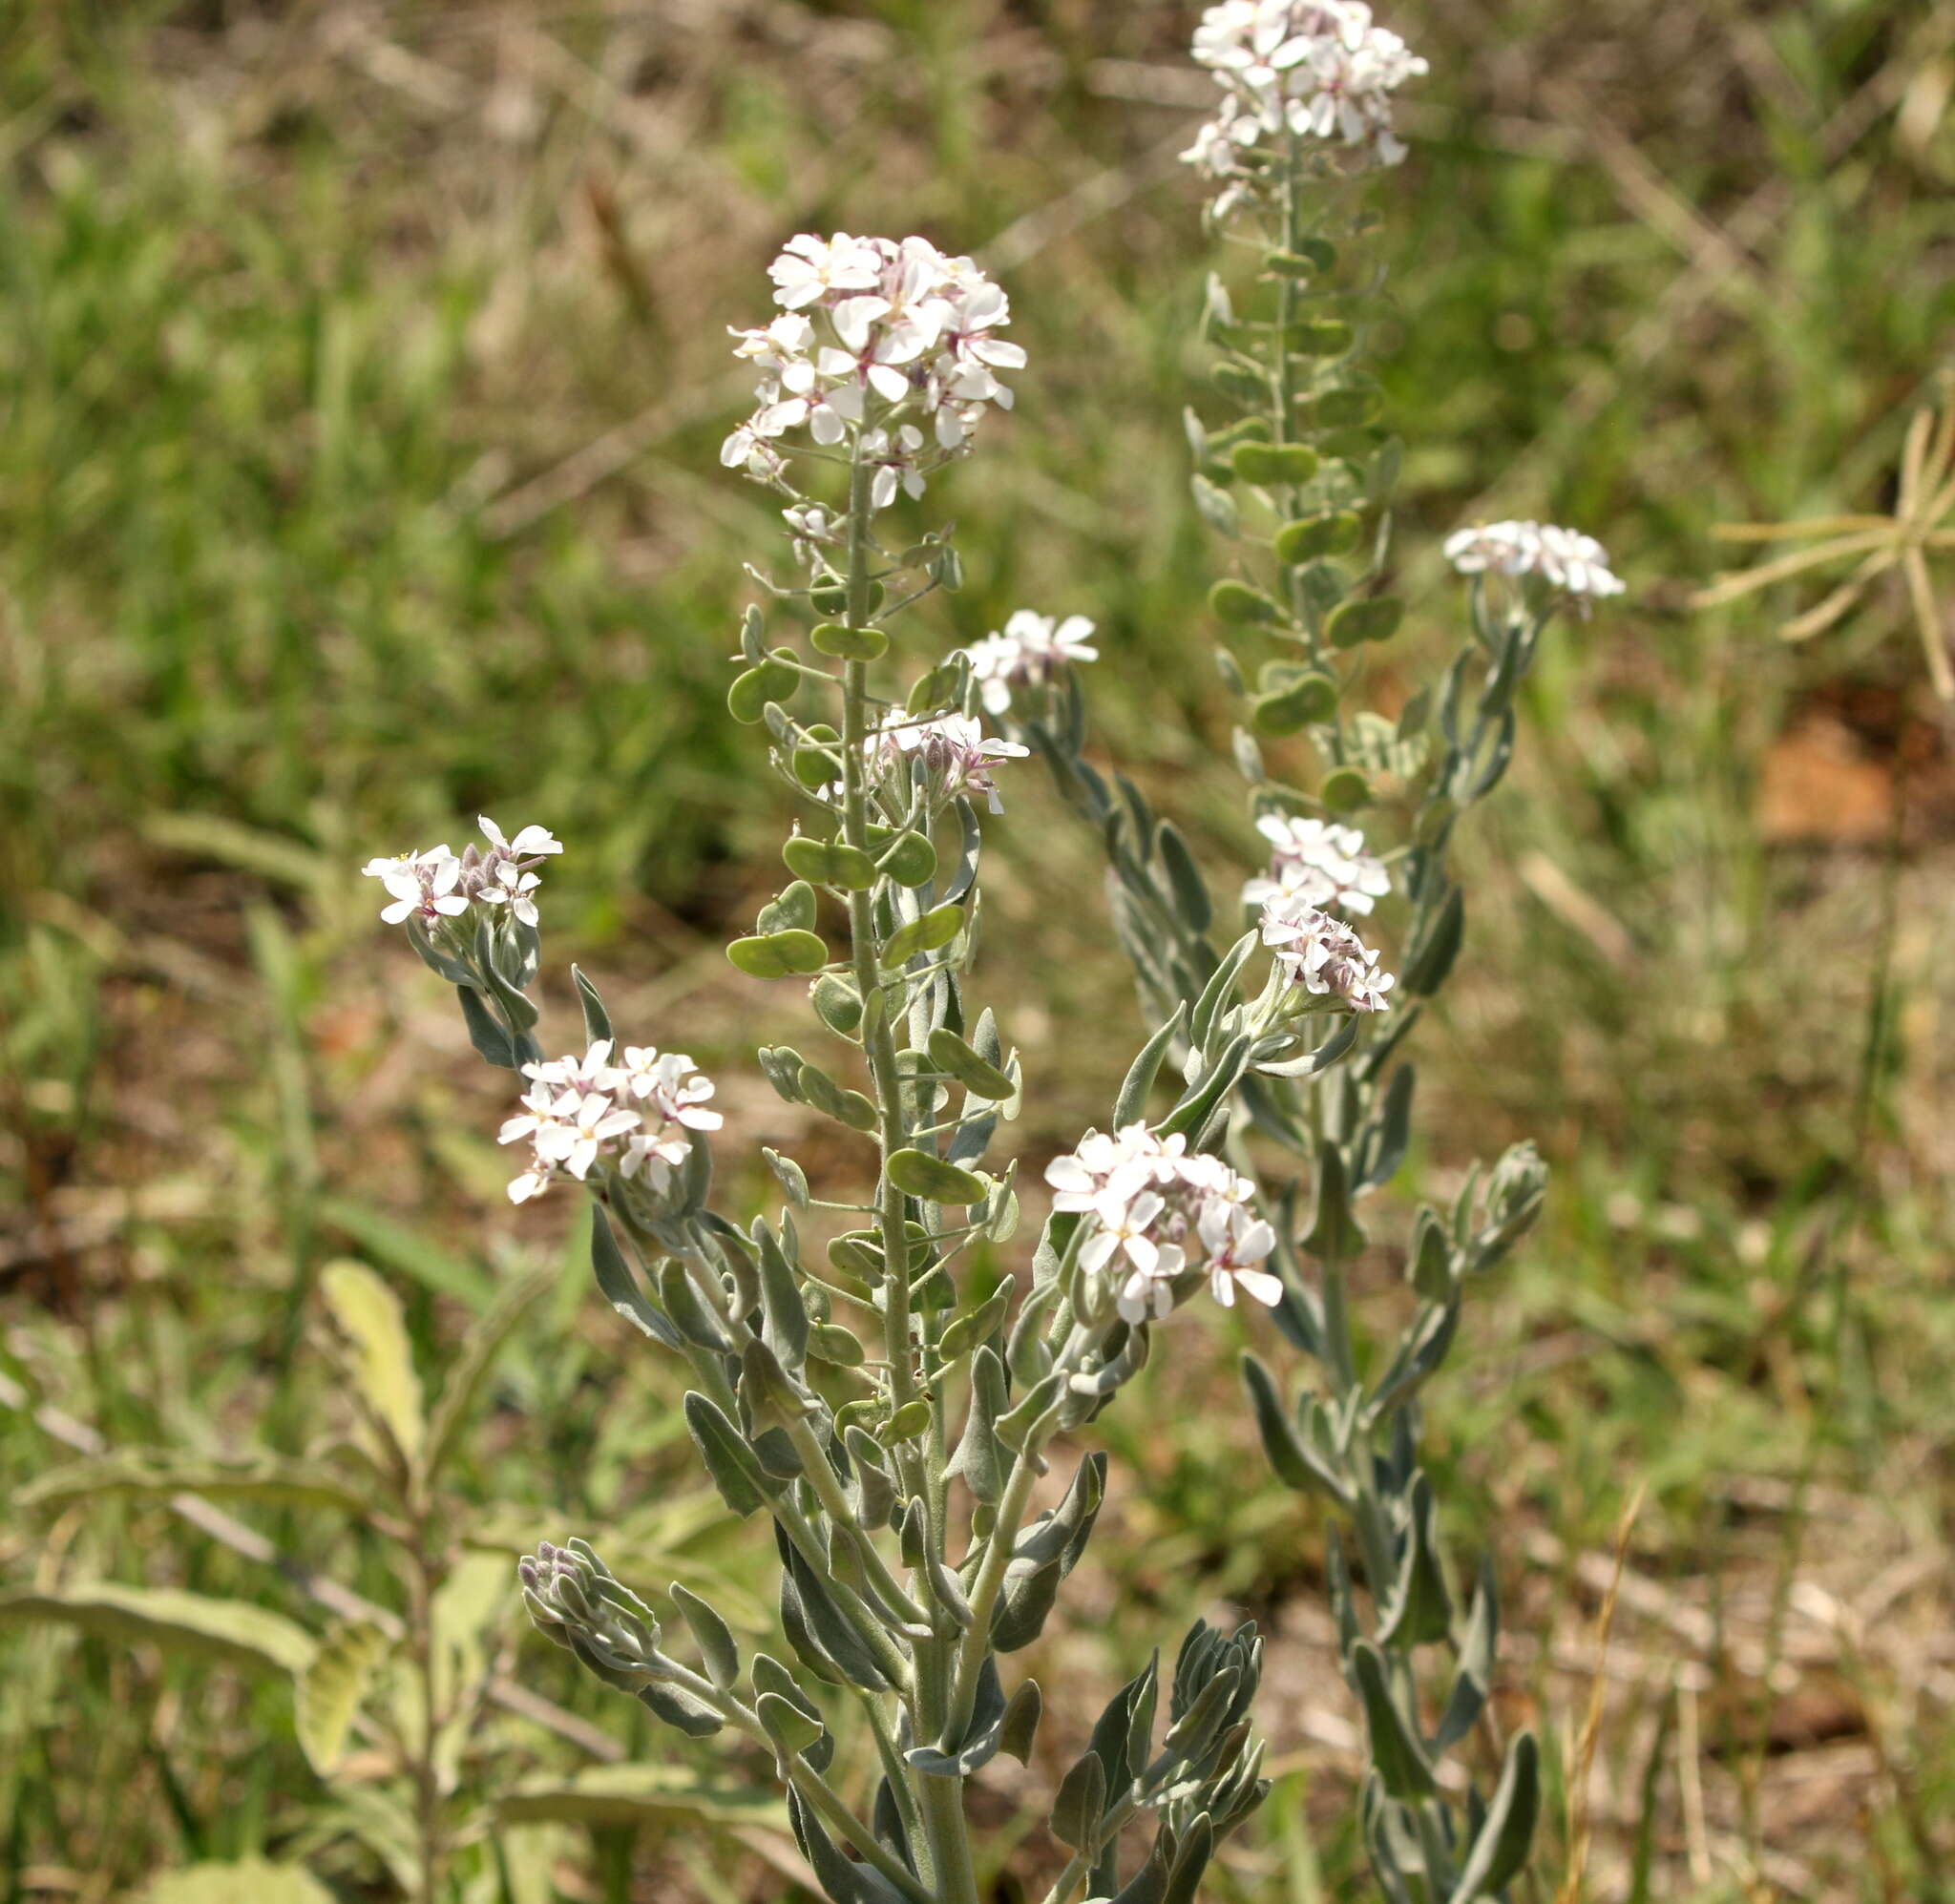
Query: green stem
point(941, 1801)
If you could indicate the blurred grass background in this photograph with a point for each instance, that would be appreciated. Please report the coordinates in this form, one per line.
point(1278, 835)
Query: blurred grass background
point(362, 369)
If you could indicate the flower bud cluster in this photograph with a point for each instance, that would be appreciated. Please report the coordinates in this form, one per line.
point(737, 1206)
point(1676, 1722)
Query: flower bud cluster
point(1312, 69)
point(1156, 1211)
point(1320, 863)
point(573, 1599)
point(1032, 652)
point(955, 755)
point(437, 885)
point(1323, 955)
point(640, 1111)
point(1570, 563)
point(887, 345)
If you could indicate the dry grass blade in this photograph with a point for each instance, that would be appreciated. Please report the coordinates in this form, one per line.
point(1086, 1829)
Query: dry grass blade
point(1579, 1825)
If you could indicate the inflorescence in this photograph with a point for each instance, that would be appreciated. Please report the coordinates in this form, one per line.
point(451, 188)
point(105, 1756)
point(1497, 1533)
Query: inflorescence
point(1157, 1212)
point(1306, 70)
point(1569, 563)
point(886, 345)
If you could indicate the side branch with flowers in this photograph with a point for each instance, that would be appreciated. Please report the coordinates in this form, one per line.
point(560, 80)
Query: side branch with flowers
point(1300, 480)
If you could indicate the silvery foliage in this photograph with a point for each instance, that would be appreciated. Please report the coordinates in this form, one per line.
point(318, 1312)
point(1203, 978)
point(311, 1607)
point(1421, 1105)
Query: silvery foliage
point(1299, 482)
point(891, 1419)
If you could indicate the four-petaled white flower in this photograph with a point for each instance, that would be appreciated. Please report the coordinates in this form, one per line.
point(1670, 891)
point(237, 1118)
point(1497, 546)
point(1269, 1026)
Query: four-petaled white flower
point(1573, 565)
point(421, 885)
point(1318, 69)
point(1237, 1243)
point(891, 347)
point(1030, 652)
point(1323, 954)
point(1320, 863)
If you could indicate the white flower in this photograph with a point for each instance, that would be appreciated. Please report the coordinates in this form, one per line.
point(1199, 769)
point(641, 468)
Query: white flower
point(1570, 563)
point(1314, 68)
point(671, 1096)
point(888, 343)
point(1319, 863)
point(808, 270)
point(957, 757)
point(1323, 954)
point(1237, 1242)
point(507, 884)
point(1031, 651)
point(530, 842)
point(569, 1117)
point(1151, 1208)
point(420, 884)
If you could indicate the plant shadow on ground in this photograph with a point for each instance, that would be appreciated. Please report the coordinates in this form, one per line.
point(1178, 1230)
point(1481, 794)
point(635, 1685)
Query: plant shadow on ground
point(365, 370)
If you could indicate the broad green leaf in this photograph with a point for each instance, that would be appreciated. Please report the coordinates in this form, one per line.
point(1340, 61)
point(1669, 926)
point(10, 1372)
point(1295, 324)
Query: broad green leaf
point(1397, 1751)
point(160, 1472)
point(381, 1362)
point(1081, 1799)
point(327, 1693)
point(230, 1630)
point(1500, 1848)
point(479, 1349)
point(247, 1881)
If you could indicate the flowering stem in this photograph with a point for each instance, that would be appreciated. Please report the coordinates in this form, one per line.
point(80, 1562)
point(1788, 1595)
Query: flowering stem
point(941, 1800)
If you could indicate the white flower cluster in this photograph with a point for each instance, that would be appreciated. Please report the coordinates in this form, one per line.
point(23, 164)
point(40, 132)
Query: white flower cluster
point(1316, 69)
point(879, 343)
point(957, 757)
point(1324, 955)
point(640, 1110)
point(1575, 564)
point(436, 885)
point(1030, 653)
point(1320, 863)
point(1156, 1211)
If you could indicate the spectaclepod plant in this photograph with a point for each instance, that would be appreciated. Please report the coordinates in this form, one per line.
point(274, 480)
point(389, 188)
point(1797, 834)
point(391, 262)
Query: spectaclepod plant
point(1298, 480)
point(891, 1420)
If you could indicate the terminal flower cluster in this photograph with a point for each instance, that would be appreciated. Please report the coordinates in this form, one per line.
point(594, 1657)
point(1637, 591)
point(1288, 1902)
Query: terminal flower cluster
point(1313, 69)
point(1031, 651)
point(1157, 1211)
point(1573, 564)
point(955, 756)
point(640, 1111)
point(437, 885)
point(891, 346)
point(1323, 955)
point(1320, 863)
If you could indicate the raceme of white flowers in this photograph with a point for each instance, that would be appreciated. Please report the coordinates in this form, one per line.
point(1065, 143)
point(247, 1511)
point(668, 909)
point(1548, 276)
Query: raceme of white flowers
point(1314, 70)
point(1569, 562)
point(1323, 955)
point(1156, 1212)
point(638, 1110)
point(437, 885)
point(1030, 652)
point(1320, 863)
point(889, 345)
